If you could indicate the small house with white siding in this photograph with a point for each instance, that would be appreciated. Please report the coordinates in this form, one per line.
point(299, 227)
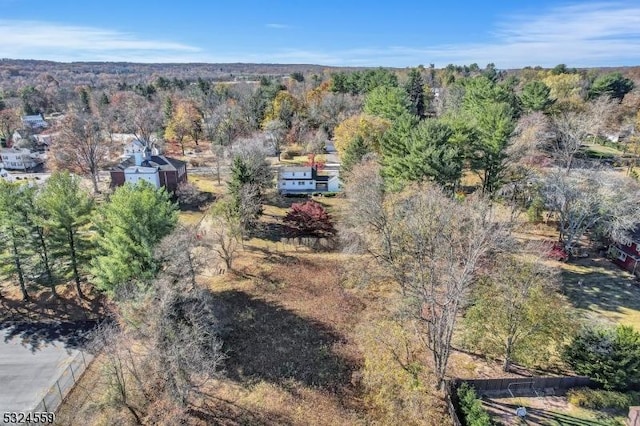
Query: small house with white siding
point(306, 179)
point(17, 159)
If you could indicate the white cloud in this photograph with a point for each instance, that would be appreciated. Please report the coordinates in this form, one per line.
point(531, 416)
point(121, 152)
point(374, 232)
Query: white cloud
point(597, 34)
point(42, 40)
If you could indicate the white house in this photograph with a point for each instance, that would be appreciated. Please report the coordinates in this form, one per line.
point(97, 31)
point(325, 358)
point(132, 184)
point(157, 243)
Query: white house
point(137, 146)
point(300, 180)
point(158, 170)
point(17, 159)
point(34, 121)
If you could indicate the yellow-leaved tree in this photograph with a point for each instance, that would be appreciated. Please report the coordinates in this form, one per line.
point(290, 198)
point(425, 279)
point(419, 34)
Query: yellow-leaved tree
point(567, 89)
point(368, 127)
point(283, 108)
point(186, 121)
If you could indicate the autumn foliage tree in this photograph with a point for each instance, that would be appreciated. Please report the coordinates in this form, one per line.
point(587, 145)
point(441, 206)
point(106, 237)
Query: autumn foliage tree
point(185, 122)
point(309, 219)
point(368, 127)
point(9, 122)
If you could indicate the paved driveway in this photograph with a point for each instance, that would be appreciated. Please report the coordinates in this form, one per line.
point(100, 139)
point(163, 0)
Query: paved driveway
point(32, 357)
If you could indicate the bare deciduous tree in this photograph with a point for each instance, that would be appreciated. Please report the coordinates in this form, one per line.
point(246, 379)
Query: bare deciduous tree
point(276, 131)
point(591, 200)
point(433, 247)
point(573, 128)
point(225, 233)
point(224, 124)
point(185, 253)
point(182, 331)
point(81, 146)
point(120, 369)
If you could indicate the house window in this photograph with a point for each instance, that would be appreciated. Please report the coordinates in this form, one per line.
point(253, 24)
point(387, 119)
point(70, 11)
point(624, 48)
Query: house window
point(300, 183)
point(622, 256)
point(304, 174)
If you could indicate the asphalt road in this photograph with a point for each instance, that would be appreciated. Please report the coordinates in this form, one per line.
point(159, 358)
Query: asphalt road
point(32, 357)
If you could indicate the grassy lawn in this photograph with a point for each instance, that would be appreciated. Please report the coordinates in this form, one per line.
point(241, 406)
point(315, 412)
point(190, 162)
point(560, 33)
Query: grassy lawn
point(301, 159)
point(600, 290)
point(601, 151)
point(205, 183)
point(607, 292)
point(208, 183)
point(547, 410)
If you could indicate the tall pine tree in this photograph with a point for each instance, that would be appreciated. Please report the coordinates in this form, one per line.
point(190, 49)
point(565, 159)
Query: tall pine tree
point(415, 89)
point(130, 224)
point(65, 210)
point(14, 235)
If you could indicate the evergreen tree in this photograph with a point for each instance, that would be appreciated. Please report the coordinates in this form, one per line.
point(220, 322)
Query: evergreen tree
point(354, 153)
point(609, 356)
point(250, 176)
point(104, 100)
point(494, 127)
point(85, 102)
point(431, 154)
point(130, 224)
point(65, 210)
point(168, 109)
point(14, 233)
point(240, 176)
point(394, 141)
point(387, 102)
point(39, 234)
point(535, 96)
point(613, 84)
point(488, 110)
point(415, 89)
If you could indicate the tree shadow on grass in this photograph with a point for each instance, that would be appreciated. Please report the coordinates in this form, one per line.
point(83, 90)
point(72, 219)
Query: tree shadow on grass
point(603, 288)
point(265, 341)
point(539, 416)
point(273, 231)
point(277, 200)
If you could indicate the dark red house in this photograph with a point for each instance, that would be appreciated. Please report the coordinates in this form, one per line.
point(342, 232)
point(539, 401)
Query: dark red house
point(627, 255)
point(158, 170)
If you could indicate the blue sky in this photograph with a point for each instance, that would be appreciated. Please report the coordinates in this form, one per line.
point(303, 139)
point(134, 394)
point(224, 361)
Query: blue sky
point(328, 32)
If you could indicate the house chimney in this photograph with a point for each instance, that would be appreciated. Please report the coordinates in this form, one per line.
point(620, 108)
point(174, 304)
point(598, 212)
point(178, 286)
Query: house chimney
point(139, 156)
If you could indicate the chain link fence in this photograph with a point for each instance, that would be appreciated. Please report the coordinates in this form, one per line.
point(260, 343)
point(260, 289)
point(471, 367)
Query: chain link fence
point(63, 385)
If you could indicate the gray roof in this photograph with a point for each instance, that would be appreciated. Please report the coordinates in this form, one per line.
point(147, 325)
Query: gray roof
point(296, 169)
point(159, 161)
